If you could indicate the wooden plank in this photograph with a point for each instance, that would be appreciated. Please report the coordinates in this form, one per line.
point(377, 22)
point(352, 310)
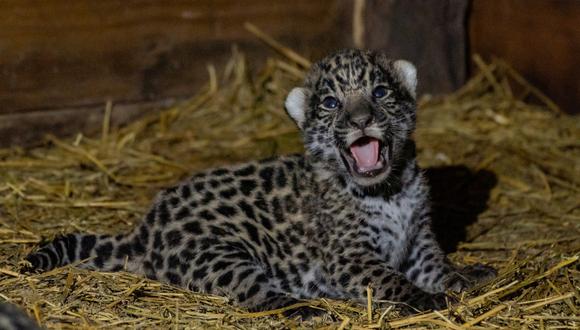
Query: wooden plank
point(30, 128)
point(540, 38)
point(61, 53)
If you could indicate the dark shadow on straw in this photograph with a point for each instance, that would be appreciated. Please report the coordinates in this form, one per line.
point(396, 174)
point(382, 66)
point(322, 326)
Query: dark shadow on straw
point(459, 195)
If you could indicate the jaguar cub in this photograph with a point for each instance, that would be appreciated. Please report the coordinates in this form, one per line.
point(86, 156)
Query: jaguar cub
point(352, 211)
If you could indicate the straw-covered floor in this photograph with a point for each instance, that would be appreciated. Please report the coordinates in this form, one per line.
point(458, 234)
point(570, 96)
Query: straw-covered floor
point(505, 177)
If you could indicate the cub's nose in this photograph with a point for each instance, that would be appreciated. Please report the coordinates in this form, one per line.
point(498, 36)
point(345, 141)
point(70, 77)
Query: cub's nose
point(360, 119)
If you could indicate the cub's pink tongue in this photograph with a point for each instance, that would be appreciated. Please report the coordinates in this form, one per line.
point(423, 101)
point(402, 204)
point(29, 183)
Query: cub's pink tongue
point(366, 155)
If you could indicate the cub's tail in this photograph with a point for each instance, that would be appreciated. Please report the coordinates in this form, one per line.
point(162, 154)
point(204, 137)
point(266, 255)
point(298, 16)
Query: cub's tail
point(99, 252)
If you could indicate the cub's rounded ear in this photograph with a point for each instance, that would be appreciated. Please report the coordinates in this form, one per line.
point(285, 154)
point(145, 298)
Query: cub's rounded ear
point(296, 105)
point(407, 74)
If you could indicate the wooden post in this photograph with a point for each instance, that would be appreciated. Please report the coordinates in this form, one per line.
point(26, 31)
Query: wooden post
point(429, 33)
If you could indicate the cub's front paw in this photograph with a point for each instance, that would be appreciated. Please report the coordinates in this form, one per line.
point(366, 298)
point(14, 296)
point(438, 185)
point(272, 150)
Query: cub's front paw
point(469, 276)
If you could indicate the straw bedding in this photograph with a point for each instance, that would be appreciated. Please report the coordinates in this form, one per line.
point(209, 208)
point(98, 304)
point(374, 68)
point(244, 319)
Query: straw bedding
point(505, 176)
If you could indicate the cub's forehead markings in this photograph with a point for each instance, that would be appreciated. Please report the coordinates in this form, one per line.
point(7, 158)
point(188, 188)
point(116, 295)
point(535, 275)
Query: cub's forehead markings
point(325, 67)
point(373, 75)
point(342, 80)
point(363, 74)
point(350, 71)
point(323, 92)
point(328, 84)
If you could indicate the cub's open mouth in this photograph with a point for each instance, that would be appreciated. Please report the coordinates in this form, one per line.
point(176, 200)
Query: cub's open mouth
point(367, 156)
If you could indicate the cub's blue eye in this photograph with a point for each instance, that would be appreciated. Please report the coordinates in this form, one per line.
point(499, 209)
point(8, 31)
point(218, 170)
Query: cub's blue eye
point(330, 102)
point(380, 91)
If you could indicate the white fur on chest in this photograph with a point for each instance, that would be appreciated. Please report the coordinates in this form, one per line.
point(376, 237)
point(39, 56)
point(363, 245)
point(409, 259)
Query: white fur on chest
point(393, 219)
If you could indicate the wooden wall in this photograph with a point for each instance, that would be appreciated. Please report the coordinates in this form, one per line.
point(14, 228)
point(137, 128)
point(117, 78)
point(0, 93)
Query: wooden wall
point(540, 38)
point(131, 50)
point(67, 58)
point(61, 60)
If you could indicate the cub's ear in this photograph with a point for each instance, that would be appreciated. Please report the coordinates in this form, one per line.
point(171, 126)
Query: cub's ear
point(296, 105)
point(407, 74)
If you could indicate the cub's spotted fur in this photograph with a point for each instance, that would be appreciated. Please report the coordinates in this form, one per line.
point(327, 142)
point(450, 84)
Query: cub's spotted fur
point(352, 211)
point(13, 318)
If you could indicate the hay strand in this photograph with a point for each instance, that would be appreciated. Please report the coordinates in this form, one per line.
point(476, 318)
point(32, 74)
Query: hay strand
point(509, 165)
point(281, 49)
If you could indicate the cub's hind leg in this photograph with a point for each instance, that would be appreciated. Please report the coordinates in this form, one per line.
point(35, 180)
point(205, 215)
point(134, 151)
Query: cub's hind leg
point(222, 265)
point(254, 288)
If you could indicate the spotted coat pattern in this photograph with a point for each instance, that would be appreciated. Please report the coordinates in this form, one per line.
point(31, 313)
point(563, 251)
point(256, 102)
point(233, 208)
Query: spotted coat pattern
point(271, 232)
point(13, 318)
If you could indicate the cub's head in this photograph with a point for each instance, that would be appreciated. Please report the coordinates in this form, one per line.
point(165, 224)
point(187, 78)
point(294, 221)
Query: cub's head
point(356, 112)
